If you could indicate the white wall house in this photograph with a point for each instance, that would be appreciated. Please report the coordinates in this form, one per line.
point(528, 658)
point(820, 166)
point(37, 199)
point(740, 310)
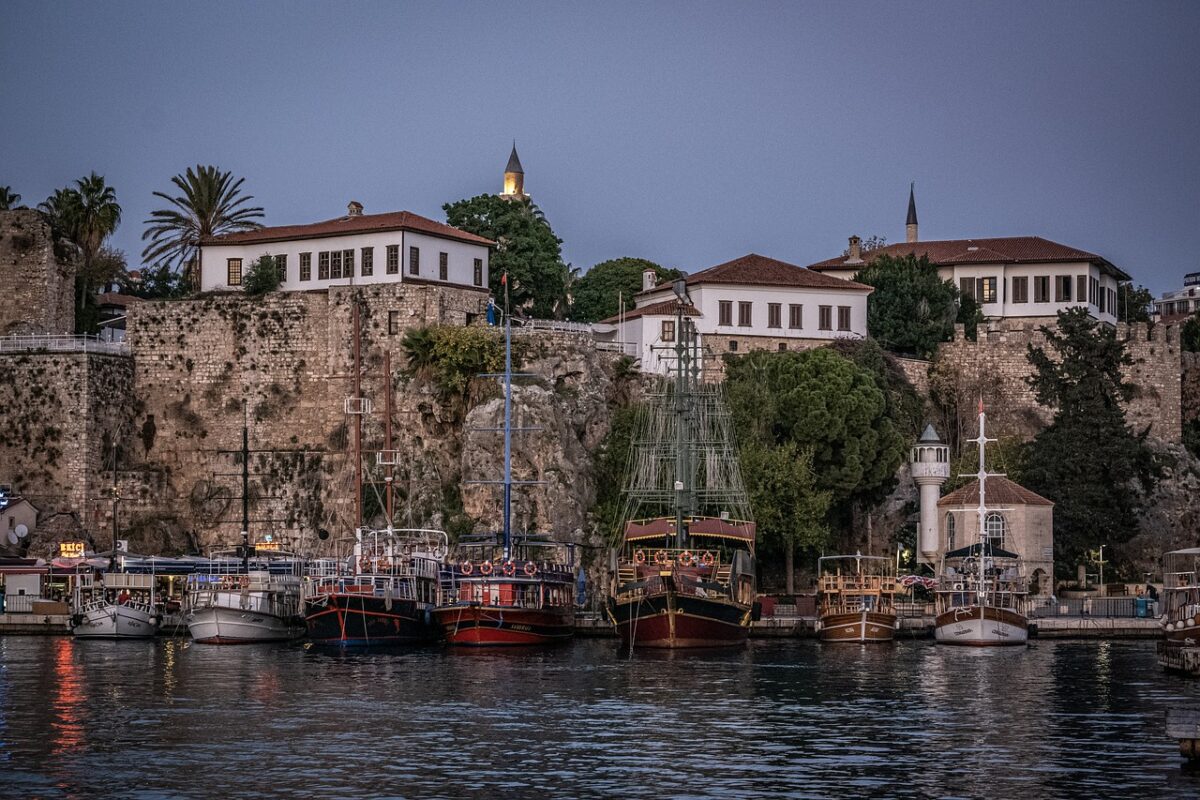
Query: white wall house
point(750, 303)
point(1011, 277)
point(355, 249)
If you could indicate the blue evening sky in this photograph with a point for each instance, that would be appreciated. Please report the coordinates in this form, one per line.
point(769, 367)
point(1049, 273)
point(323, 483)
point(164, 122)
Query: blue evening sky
point(687, 133)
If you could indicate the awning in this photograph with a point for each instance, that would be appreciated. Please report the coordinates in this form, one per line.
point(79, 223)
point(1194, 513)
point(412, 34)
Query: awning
point(973, 550)
point(649, 528)
point(722, 528)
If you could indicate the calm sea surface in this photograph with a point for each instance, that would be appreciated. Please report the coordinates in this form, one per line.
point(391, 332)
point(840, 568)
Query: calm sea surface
point(781, 718)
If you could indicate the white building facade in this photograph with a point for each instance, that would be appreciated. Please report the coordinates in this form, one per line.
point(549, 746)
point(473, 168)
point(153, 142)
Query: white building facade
point(355, 249)
point(750, 303)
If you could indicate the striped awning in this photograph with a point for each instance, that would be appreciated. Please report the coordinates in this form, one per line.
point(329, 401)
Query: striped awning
point(712, 527)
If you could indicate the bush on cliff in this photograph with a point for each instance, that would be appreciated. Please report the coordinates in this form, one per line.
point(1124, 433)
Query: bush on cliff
point(451, 356)
point(262, 277)
point(912, 310)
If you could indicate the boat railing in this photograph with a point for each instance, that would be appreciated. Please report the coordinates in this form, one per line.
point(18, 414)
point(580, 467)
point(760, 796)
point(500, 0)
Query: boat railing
point(394, 586)
point(858, 584)
point(517, 571)
point(254, 582)
point(664, 557)
point(1126, 606)
point(100, 605)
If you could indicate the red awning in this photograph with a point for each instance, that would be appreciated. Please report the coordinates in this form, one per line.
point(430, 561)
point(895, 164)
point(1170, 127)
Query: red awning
point(722, 528)
point(649, 528)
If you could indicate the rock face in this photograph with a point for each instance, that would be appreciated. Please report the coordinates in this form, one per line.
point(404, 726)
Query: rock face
point(1170, 519)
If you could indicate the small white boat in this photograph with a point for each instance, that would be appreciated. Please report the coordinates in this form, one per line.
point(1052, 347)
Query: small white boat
point(254, 606)
point(116, 605)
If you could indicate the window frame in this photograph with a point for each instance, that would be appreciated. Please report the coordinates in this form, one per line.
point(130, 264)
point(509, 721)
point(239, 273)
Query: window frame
point(985, 288)
point(281, 267)
point(795, 316)
point(745, 314)
point(478, 276)
point(392, 265)
point(843, 318)
point(230, 263)
point(414, 260)
point(725, 313)
point(824, 318)
point(666, 331)
point(1062, 288)
point(443, 266)
point(348, 263)
point(1020, 289)
point(323, 265)
point(1041, 288)
point(367, 268)
point(774, 315)
point(306, 266)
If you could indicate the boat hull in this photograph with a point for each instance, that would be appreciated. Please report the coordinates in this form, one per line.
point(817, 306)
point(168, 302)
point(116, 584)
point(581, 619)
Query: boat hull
point(673, 621)
point(477, 625)
point(1189, 637)
point(981, 626)
point(353, 620)
point(860, 626)
point(115, 622)
point(216, 625)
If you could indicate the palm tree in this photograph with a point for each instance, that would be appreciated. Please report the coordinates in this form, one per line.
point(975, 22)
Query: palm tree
point(97, 216)
point(8, 198)
point(61, 211)
point(210, 204)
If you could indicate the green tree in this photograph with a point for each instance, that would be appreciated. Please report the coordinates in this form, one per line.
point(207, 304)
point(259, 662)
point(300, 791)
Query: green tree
point(596, 295)
point(262, 277)
point(453, 356)
point(157, 283)
point(1088, 461)
point(1189, 334)
point(790, 509)
point(611, 467)
point(912, 310)
point(970, 316)
point(8, 198)
point(526, 250)
point(1133, 302)
point(210, 203)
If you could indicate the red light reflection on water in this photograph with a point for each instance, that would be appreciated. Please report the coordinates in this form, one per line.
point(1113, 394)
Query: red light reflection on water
point(67, 699)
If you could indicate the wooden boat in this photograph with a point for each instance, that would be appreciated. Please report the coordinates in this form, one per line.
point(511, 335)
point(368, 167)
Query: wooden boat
point(244, 603)
point(1179, 651)
point(684, 571)
point(115, 605)
point(856, 598)
point(981, 594)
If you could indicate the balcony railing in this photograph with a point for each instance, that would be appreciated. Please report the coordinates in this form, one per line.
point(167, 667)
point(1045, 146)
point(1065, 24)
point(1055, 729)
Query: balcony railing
point(81, 343)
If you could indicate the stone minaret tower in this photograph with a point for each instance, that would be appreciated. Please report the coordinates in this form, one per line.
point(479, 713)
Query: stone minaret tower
point(910, 225)
point(930, 469)
point(514, 178)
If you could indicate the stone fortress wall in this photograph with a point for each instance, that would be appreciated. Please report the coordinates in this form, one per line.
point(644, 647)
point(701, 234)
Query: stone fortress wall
point(37, 276)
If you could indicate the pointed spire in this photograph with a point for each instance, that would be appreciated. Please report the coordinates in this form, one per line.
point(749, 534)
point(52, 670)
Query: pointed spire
point(514, 163)
point(912, 200)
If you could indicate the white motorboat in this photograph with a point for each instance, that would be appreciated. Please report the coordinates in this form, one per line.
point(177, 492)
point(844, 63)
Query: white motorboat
point(253, 606)
point(115, 605)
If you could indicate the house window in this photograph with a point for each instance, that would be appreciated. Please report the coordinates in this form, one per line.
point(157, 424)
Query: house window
point(949, 531)
point(306, 266)
point(1102, 296)
point(733, 345)
point(335, 265)
point(348, 264)
point(774, 315)
point(479, 272)
point(281, 265)
point(782, 347)
point(993, 530)
point(235, 271)
point(1020, 290)
point(393, 323)
point(1112, 301)
point(414, 261)
point(1041, 289)
point(795, 316)
point(393, 259)
point(825, 318)
point(668, 330)
point(1081, 288)
point(1062, 288)
point(1093, 291)
point(986, 290)
point(744, 311)
point(368, 261)
point(725, 313)
point(843, 318)
point(966, 287)
point(323, 266)
point(443, 266)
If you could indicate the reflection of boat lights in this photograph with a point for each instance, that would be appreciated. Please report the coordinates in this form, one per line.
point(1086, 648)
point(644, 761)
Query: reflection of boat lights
point(68, 699)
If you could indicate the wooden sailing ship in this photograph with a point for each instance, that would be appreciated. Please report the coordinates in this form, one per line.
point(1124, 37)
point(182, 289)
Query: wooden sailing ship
point(856, 598)
point(684, 570)
point(981, 594)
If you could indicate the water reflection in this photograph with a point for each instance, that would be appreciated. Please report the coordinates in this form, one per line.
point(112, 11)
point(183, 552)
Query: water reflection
point(785, 718)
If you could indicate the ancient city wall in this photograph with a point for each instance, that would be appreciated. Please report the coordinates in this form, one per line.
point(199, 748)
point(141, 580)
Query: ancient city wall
point(37, 276)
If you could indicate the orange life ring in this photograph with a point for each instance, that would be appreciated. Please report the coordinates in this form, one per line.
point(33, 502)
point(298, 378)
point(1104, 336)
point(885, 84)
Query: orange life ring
point(660, 557)
point(707, 559)
point(467, 567)
point(485, 568)
point(685, 558)
point(639, 556)
point(510, 568)
point(364, 564)
point(530, 568)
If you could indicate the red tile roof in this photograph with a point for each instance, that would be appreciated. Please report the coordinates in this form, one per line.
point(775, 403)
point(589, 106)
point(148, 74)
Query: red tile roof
point(1004, 250)
point(117, 299)
point(361, 223)
point(756, 270)
point(664, 308)
point(1000, 492)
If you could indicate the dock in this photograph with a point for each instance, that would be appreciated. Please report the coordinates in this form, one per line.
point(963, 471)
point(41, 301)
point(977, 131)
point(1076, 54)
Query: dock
point(1183, 724)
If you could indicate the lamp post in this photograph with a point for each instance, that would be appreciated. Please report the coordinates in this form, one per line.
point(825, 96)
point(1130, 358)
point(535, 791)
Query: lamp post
point(1101, 563)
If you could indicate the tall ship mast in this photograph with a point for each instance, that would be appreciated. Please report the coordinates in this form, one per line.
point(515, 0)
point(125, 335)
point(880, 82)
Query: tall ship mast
point(684, 571)
point(981, 594)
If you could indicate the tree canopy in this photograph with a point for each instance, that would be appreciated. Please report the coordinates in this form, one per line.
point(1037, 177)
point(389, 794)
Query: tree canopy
point(527, 251)
point(596, 295)
point(1133, 303)
point(911, 310)
point(1088, 461)
point(8, 198)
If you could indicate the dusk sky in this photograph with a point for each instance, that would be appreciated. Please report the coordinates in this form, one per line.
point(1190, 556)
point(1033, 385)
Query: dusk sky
point(687, 133)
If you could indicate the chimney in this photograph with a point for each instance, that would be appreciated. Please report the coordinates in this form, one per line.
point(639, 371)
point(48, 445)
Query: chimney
point(855, 256)
point(354, 209)
point(649, 279)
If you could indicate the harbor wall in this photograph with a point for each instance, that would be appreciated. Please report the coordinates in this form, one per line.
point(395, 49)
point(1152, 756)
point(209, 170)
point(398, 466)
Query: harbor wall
point(37, 276)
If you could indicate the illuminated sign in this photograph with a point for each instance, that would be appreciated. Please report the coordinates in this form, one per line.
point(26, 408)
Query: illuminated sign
point(266, 545)
point(70, 550)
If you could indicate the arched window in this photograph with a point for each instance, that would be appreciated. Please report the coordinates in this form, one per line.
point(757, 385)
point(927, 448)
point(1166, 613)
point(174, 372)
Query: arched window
point(949, 531)
point(994, 529)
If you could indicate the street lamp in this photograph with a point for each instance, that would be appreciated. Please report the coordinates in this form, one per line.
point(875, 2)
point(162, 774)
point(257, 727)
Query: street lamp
point(1101, 563)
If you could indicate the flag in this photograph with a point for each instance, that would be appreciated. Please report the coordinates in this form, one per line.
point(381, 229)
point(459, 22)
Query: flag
point(504, 282)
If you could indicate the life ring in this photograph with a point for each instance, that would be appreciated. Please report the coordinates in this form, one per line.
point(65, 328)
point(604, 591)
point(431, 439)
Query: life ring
point(466, 567)
point(385, 565)
point(510, 568)
point(530, 568)
point(639, 556)
point(660, 557)
point(364, 564)
point(958, 587)
point(707, 559)
point(685, 558)
point(485, 568)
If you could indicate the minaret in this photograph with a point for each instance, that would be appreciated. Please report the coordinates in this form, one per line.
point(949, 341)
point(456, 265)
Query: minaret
point(930, 469)
point(910, 226)
point(514, 177)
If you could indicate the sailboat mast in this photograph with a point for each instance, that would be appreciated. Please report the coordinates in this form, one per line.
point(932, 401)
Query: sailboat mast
point(389, 475)
point(681, 449)
point(982, 477)
point(358, 506)
point(245, 486)
point(507, 428)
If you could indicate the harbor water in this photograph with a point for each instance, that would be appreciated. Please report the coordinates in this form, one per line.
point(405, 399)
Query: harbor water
point(170, 718)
